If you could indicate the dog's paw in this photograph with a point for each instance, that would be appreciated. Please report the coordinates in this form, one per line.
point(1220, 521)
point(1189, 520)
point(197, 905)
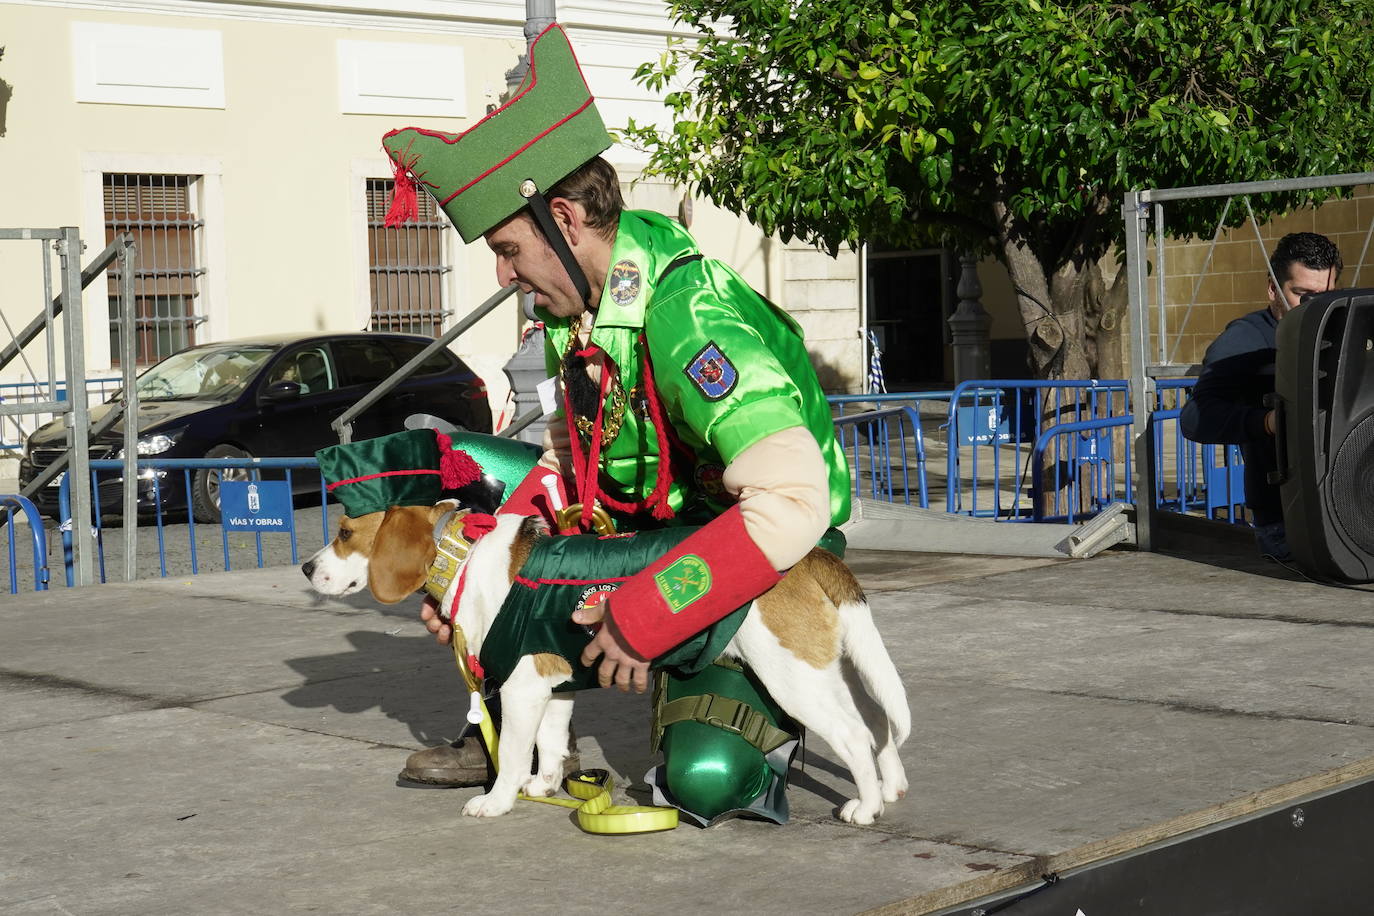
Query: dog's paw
point(856, 812)
point(894, 789)
point(487, 806)
point(541, 786)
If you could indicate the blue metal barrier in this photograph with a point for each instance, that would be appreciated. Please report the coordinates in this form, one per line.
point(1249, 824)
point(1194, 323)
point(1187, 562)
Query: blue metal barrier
point(1083, 473)
point(1207, 479)
point(994, 441)
point(996, 422)
point(1088, 476)
point(37, 535)
point(989, 424)
point(895, 399)
point(868, 440)
point(159, 469)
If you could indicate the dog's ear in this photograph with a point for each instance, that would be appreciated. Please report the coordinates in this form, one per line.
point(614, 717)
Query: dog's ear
point(401, 554)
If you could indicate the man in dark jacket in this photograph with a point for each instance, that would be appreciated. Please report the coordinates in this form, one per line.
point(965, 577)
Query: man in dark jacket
point(1227, 406)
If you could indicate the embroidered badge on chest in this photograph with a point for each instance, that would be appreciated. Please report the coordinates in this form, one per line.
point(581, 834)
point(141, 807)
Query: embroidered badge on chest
point(712, 372)
point(683, 581)
point(624, 282)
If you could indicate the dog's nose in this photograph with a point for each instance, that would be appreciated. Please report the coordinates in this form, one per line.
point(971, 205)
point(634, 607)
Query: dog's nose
point(308, 567)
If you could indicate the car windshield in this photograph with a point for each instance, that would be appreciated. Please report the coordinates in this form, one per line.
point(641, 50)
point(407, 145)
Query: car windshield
point(214, 374)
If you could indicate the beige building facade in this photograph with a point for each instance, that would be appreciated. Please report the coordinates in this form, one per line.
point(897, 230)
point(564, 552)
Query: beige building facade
point(258, 127)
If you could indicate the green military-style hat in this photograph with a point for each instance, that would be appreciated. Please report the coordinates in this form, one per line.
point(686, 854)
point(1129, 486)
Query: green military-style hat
point(489, 171)
point(404, 469)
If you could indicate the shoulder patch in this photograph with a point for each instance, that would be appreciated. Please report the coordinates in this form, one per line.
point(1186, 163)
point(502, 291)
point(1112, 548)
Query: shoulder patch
point(712, 372)
point(625, 282)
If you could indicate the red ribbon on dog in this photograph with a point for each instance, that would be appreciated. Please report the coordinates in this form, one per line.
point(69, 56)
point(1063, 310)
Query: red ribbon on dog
point(476, 524)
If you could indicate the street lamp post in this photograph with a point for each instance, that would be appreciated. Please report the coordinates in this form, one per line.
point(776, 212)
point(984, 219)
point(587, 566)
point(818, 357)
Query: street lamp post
point(526, 368)
point(539, 15)
point(969, 326)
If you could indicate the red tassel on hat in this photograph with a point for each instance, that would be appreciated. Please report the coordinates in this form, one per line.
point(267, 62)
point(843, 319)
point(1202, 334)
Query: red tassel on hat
point(456, 467)
point(404, 205)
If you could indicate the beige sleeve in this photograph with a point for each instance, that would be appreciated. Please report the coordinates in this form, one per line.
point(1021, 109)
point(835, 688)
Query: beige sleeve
point(557, 448)
point(783, 488)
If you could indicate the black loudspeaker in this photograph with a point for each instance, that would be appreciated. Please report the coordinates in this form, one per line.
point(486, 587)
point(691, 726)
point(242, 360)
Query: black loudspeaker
point(1325, 386)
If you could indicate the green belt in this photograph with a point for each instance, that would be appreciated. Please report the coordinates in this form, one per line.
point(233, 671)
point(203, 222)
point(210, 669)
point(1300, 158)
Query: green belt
point(727, 714)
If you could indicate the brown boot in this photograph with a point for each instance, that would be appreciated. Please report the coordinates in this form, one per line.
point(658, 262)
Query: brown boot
point(461, 764)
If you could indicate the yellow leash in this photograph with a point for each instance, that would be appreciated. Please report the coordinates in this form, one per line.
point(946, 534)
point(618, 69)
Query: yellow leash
point(591, 789)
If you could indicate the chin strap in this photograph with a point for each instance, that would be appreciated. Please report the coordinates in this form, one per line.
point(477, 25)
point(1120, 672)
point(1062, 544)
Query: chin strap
point(708, 575)
point(543, 216)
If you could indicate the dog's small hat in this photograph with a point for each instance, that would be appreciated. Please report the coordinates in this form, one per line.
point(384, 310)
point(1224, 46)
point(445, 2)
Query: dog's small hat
point(404, 469)
point(489, 171)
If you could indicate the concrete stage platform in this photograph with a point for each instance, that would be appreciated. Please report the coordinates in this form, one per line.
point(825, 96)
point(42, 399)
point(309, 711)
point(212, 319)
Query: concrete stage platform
point(229, 744)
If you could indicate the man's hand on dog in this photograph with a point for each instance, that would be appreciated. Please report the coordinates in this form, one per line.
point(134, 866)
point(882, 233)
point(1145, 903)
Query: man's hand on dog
point(429, 613)
point(620, 665)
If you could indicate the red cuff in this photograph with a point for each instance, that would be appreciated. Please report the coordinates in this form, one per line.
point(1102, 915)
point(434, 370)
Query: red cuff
point(531, 498)
point(710, 574)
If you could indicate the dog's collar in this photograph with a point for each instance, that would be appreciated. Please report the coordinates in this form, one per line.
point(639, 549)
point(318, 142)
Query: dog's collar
point(451, 548)
point(454, 534)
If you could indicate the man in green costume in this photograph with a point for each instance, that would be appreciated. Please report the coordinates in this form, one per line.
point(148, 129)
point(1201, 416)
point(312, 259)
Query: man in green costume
point(689, 398)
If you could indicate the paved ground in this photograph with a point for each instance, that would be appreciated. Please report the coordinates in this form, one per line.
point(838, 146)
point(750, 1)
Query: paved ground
point(228, 744)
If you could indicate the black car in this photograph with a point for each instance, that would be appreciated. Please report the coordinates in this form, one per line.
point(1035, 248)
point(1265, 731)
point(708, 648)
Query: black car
point(265, 397)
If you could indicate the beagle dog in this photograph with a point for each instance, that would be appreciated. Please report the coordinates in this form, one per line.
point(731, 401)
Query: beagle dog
point(800, 639)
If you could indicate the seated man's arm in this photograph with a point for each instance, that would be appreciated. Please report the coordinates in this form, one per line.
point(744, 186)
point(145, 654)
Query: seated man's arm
point(1223, 408)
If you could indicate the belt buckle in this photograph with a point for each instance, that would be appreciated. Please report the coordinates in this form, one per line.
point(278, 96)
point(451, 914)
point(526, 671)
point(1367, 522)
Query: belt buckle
point(738, 719)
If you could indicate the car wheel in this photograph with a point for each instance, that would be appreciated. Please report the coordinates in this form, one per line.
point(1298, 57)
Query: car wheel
point(205, 483)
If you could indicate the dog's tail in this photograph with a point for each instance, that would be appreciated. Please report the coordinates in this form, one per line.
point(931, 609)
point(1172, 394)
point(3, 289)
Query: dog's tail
point(862, 644)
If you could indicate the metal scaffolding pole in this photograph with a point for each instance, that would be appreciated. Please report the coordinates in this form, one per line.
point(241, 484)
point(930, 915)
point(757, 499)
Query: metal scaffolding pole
point(73, 338)
point(1136, 216)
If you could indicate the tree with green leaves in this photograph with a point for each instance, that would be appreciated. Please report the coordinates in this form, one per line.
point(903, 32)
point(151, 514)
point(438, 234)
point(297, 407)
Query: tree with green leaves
point(1010, 127)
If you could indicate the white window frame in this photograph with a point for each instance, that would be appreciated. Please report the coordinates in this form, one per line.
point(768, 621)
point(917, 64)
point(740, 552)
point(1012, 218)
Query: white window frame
point(403, 79)
point(207, 195)
point(141, 65)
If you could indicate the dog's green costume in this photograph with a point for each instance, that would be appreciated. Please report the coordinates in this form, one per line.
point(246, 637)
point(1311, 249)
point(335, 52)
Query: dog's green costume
point(699, 367)
point(726, 743)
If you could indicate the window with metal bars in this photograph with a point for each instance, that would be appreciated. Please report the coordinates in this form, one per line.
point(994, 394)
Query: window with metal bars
point(158, 211)
point(406, 265)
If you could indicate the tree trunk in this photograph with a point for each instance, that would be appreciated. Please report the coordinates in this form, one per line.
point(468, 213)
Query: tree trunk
point(1073, 326)
point(1106, 314)
point(1052, 308)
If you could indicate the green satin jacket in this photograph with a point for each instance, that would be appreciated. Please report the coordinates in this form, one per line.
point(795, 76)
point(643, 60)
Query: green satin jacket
point(730, 367)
